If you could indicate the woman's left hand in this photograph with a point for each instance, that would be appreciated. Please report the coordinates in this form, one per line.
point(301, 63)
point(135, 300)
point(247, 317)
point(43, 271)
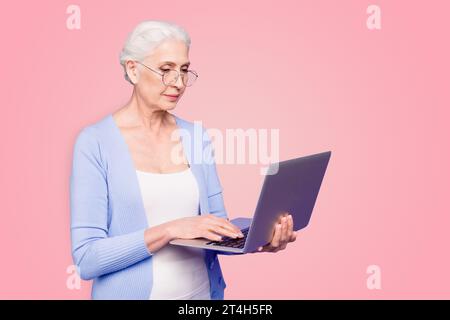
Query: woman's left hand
point(283, 234)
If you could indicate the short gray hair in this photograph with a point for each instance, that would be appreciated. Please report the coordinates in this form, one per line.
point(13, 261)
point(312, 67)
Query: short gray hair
point(146, 36)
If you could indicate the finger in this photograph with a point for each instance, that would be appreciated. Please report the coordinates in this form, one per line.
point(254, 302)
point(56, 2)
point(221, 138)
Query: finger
point(224, 231)
point(225, 223)
point(276, 237)
point(235, 229)
point(231, 227)
point(215, 223)
point(212, 236)
point(280, 218)
point(290, 227)
point(261, 249)
point(284, 230)
point(272, 249)
point(294, 236)
point(266, 248)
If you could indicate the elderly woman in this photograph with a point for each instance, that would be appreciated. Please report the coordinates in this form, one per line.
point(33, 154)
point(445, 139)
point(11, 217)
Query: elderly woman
point(129, 197)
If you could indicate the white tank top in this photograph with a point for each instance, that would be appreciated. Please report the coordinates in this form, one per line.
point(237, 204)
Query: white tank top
point(178, 272)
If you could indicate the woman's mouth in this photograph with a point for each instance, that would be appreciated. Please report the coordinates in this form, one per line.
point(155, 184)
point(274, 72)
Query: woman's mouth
point(170, 97)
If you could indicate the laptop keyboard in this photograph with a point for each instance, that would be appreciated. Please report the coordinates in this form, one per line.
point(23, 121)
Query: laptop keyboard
point(231, 242)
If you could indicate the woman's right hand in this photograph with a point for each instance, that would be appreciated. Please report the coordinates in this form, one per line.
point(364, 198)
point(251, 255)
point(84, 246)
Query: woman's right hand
point(205, 226)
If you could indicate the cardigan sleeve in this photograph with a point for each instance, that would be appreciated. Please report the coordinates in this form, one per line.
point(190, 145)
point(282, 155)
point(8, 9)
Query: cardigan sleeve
point(214, 187)
point(215, 190)
point(93, 252)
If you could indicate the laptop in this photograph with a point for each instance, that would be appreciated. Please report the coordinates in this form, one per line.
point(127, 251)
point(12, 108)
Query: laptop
point(289, 186)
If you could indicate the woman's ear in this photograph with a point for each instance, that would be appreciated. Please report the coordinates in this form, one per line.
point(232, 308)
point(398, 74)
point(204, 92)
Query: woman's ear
point(132, 71)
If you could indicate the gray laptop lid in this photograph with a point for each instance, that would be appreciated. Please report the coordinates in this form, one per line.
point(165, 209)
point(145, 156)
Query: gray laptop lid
point(294, 189)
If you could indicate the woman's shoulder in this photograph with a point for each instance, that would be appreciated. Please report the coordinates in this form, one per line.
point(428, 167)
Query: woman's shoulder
point(97, 129)
point(194, 126)
point(92, 135)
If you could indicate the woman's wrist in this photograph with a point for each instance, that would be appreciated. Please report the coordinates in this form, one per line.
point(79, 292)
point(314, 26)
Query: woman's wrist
point(158, 236)
point(170, 230)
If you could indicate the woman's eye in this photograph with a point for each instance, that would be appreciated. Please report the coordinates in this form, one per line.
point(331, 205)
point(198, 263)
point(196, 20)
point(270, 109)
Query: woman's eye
point(165, 70)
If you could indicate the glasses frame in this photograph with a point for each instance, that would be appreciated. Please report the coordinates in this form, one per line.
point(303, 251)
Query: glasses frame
point(176, 79)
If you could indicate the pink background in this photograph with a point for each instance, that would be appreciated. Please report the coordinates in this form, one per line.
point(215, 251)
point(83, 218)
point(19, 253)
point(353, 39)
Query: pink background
point(378, 99)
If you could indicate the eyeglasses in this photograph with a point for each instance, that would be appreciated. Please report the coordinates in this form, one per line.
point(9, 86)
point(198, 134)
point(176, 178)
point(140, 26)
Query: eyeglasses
point(170, 77)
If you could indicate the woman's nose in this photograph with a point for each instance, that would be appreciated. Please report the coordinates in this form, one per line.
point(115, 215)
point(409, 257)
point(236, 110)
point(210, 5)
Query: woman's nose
point(179, 83)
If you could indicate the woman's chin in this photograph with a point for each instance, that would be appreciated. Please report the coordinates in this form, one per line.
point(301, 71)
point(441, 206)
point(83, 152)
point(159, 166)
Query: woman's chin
point(168, 106)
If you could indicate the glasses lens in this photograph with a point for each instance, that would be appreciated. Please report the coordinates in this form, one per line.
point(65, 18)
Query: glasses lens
point(170, 77)
point(189, 78)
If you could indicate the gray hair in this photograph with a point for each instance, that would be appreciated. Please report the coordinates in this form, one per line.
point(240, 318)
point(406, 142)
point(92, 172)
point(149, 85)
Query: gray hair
point(146, 36)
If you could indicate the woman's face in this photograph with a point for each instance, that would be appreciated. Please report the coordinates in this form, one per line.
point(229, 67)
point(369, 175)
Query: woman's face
point(171, 54)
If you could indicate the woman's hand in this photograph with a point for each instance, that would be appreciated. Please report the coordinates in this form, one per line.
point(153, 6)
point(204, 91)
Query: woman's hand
point(205, 226)
point(283, 233)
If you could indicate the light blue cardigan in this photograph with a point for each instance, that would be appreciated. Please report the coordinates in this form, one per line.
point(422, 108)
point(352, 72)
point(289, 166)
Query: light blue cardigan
point(108, 218)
